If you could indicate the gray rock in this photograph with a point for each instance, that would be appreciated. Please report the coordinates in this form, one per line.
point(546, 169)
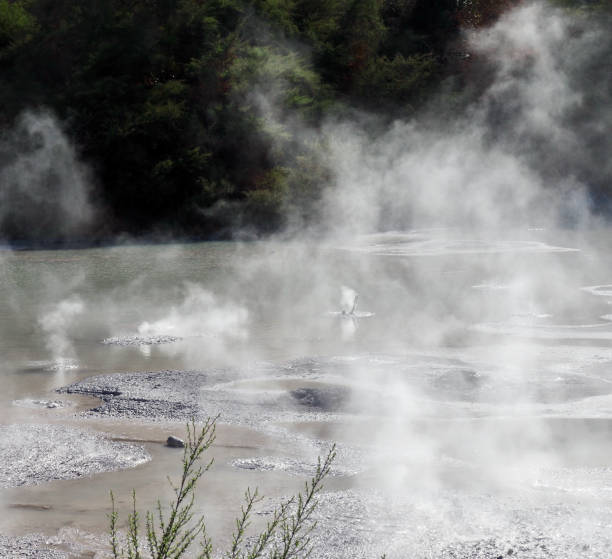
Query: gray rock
point(175, 442)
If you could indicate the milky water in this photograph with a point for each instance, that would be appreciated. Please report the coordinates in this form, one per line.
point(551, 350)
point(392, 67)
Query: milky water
point(470, 389)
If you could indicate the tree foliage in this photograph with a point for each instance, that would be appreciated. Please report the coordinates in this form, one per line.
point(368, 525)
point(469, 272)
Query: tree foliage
point(187, 110)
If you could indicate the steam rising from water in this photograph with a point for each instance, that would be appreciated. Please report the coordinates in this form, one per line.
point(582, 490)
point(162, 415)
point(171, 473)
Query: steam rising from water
point(348, 300)
point(45, 191)
point(199, 314)
point(57, 325)
point(512, 165)
point(473, 412)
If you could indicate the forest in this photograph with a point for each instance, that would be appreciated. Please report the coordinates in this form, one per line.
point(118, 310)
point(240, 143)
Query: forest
point(189, 113)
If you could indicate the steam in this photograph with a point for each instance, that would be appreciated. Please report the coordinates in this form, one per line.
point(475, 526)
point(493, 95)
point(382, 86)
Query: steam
point(200, 314)
point(518, 154)
point(348, 300)
point(57, 325)
point(45, 191)
point(463, 294)
point(498, 178)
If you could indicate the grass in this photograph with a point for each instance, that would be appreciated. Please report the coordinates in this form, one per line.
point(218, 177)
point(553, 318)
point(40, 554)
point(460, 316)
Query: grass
point(172, 534)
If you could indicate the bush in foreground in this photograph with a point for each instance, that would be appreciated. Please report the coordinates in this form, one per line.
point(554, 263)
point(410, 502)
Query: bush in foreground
point(170, 535)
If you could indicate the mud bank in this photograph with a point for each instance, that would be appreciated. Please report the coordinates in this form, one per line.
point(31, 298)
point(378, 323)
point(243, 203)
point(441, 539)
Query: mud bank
point(28, 547)
point(33, 454)
point(262, 394)
point(263, 398)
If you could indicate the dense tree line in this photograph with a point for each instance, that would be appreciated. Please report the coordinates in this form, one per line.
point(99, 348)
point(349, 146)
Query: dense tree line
point(168, 100)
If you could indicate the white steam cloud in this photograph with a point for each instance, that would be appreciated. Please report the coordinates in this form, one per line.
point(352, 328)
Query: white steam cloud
point(522, 156)
point(200, 314)
point(512, 157)
point(44, 189)
point(57, 324)
point(457, 418)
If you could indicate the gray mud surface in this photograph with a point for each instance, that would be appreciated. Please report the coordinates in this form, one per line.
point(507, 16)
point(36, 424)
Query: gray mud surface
point(364, 524)
point(27, 547)
point(323, 389)
point(449, 503)
point(125, 341)
point(288, 465)
point(182, 395)
point(33, 454)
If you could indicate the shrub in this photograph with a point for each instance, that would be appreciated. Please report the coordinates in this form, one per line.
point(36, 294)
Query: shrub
point(169, 536)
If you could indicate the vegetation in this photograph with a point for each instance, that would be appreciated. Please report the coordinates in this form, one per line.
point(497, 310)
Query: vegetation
point(171, 535)
point(187, 110)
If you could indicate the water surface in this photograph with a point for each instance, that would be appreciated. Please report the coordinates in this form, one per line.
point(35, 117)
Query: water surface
point(472, 383)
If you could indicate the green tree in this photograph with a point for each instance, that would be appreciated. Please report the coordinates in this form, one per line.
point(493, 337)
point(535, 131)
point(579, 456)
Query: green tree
point(17, 25)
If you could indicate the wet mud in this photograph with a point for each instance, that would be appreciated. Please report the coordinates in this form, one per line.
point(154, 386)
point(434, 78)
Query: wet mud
point(34, 454)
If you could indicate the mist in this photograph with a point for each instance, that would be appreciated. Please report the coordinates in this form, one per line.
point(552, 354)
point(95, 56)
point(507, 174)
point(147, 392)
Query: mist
point(45, 189)
point(451, 225)
point(511, 157)
point(445, 318)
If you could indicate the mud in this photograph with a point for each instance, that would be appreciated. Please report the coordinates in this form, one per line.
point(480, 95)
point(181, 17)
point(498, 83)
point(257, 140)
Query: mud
point(288, 465)
point(38, 404)
point(365, 524)
point(140, 340)
point(34, 454)
point(450, 504)
point(183, 395)
point(28, 547)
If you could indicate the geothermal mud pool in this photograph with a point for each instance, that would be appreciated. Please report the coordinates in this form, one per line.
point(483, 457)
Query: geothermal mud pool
point(470, 399)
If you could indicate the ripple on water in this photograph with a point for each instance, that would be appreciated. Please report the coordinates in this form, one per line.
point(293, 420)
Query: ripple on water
point(599, 290)
point(531, 329)
point(49, 366)
point(432, 243)
point(37, 404)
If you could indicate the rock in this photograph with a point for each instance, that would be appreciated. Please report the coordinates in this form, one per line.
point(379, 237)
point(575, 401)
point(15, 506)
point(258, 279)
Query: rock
point(175, 442)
